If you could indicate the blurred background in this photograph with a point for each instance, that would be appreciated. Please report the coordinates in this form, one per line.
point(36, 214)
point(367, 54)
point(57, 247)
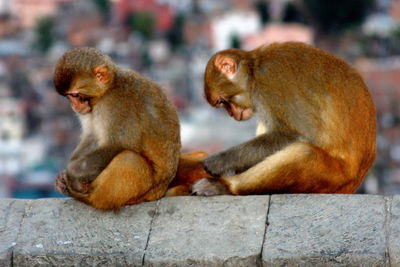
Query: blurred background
point(170, 41)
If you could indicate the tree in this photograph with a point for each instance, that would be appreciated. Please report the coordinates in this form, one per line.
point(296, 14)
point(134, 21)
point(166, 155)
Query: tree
point(336, 16)
point(235, 41)
point(44, 34)
point(143, 22)
point(175, 35)
point(263, 10)
point(104, 8)
point(292, 14)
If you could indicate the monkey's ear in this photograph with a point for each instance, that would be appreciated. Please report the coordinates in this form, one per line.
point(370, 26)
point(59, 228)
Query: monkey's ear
point(226, 65)
point(101, 74)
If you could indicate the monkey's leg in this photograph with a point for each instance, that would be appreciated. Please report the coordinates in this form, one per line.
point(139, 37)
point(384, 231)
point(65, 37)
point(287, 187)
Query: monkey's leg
point(239, 158)
point(128, 177)
point(179, 190)
point(298, 168)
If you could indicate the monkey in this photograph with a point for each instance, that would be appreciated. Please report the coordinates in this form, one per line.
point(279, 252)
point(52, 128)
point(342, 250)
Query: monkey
point(316, 122)
point(130, 145)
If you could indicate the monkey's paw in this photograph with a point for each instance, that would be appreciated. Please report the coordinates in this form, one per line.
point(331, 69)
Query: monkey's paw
point(61, 183)
point(209, 187)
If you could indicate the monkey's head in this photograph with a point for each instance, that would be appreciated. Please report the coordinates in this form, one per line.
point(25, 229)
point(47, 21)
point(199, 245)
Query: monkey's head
point(83, 75)
point(226, 83)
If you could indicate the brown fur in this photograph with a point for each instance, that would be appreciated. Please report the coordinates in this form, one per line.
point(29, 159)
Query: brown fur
point(317, 132)
point(190, 169)
point(130, 143)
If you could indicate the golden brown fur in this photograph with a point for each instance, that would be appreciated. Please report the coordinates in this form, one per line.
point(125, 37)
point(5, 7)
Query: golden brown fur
point(130, 143)
point(317, 121)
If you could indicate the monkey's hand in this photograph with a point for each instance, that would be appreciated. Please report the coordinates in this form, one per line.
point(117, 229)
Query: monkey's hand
point(219, 165)
point(209, 187)
point(64, 187)
point(61, 183)
point(240, 158)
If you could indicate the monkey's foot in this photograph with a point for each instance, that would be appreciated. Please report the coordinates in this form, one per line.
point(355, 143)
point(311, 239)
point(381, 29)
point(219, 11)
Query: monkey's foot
point(179, 190)
point(209, 187)
point(61, 183)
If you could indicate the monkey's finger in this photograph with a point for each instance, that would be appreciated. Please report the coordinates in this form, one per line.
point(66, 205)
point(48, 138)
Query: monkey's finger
point(208, 187)
point(61, 185)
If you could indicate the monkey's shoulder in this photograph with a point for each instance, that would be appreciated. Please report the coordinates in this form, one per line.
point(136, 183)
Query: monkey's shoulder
point(136, 85)
point(140, 98)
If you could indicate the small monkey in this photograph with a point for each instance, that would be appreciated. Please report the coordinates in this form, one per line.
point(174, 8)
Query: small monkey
point(130, 143)
point(316, 131)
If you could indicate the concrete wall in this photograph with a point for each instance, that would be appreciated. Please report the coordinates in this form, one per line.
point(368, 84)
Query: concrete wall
point(278, 230)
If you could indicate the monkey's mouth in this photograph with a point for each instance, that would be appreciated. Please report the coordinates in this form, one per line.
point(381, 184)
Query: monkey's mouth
point(243, 115)
point(80, 103)
point(86, 108)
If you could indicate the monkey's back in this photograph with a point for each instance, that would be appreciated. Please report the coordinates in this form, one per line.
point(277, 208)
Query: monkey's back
point(156, 132)
point(324, 98)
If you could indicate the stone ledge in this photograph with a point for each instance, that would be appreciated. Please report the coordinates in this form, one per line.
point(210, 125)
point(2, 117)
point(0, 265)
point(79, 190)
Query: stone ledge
point(277, 230)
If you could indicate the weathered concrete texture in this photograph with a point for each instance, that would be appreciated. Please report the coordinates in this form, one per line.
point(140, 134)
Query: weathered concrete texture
point(302, 230)
point(64, 232)
point(217, 231)
point(393, 234)
point(326, 230)
point(11, 214)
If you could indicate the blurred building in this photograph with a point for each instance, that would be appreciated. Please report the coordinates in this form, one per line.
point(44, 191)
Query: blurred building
point(169, 41)
point(12, 123)
point(12, 129)
point(29, 11)
point(234, 26)
point(394, 10)
point(161, 10)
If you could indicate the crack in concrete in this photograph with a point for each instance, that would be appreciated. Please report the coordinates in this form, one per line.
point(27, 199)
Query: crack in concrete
point(12, 258)
point(149, 235)
point(7, 217)
point(387, 220)
point(27, 209)
point(265, 230)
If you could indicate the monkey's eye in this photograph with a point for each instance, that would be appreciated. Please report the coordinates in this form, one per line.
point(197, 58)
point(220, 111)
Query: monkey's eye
point(74, 95)
point(84, 98)
point(79, 96)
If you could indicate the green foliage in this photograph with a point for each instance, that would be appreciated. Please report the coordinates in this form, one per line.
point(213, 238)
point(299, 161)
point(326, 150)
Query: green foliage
point(175, 35)
point(396, 33)
point(44, 34)
point(104, 8)
point(235, 41)
point(336, 16)
point(143, 22)
point(263, 9)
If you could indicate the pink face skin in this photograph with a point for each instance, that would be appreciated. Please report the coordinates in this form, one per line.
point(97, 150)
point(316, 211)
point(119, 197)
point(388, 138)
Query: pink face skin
point(235, 111)
point(79, 103)
point(239, 113)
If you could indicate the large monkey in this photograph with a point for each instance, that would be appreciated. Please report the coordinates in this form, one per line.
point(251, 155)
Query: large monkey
point(130, 142)
point(316, 130)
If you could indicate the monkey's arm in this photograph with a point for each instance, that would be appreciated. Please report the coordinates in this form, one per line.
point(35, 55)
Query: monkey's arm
point(300, 167)
point(127, 179)
point(241, 157)
point(85, 166)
